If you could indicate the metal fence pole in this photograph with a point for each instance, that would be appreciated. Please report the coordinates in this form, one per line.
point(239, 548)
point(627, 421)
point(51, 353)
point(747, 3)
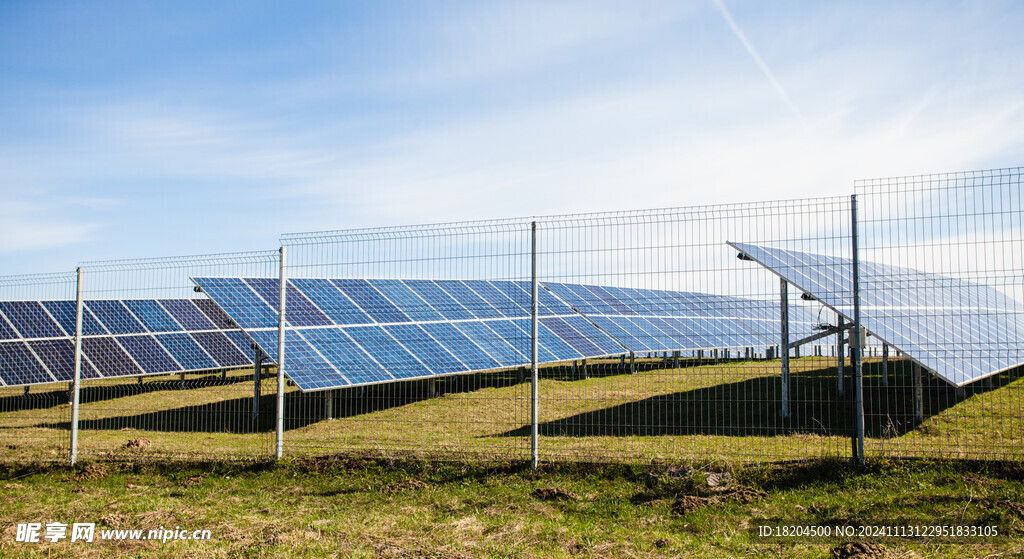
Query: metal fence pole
point(534, 381)
point(76, 385)
point(280, 359)
point(784, 345)
point(856, 343)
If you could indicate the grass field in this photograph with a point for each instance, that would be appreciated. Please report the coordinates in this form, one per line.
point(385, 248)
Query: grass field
point(725, 409)
point(371, 473)
point(415, 509)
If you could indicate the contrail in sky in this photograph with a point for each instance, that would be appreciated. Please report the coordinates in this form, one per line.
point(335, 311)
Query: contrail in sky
point(760, 63)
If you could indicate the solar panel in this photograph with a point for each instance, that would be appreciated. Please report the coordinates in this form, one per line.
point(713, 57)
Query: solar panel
point(381, 330)
point(962, 331)
point(150, 337)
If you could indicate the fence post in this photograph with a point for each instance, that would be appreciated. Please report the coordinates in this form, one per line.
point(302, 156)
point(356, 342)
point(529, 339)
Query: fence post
point(279, 452)
point(76, 386)
point(534, 381)
point(784, 345)
point(856, 343)
point(840, 355)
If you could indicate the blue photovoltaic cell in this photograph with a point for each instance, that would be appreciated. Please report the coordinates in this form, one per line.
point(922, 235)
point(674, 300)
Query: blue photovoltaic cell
point(572, 337)
point(497, 347)
point(115, 317)
point(389, 353)
point(306, 367)
point(522, 325)
point(416, 340)
point(152, 315)
point(6, 330)
point(59, 357)
point(29, 318)
point(331, 301)
point(406, 299)
point(298, 310)
point(187, 314)
point(595, 335)
point(241, 341)
point(216, 315)
point(513, 336)
point(497, 299)
point(439, 299)
point(370, 300)
point(247, 308)
point(186, 351)
point(109, 358)
point(616, 329)
point(461, 346)
point(568, 295)
point(148, 354)
point(18, 366)
point(267, 340)
point(521, 295)
point(555, 344)
point(468, 299)
point(221, 349)
point(354, 363)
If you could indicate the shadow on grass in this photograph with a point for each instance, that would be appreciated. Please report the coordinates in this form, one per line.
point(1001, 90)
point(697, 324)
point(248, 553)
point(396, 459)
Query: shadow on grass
point(57, 394)
point(751, 408)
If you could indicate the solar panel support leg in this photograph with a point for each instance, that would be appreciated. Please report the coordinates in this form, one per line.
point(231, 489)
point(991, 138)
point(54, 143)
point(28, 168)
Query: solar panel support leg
point(26, 390)
point(784, 346)
point(583, 368)
point(328, 404)
point(885, 365)
point(77, 382)
point(675, 359)
point(140, 379)
point(918, 394)
point(257, 375)
point(840, 356)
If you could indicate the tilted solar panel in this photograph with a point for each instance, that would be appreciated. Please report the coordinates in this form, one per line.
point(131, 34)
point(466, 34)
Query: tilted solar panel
point(383, 330)
point(120, 338)
point(962, 331)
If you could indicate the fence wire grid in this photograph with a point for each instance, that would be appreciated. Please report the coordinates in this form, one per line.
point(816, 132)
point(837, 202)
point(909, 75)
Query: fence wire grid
point(887, 323)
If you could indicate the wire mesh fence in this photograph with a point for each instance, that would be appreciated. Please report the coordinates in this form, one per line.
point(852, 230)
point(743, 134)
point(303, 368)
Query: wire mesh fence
point(34, 406)
point(887, 323)
point(951, 250)
point(167, 373)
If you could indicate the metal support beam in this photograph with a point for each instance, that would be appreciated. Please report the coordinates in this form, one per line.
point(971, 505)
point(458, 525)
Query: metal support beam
point(784, 344)
point(918, 394)
point(885, 364)
point(819, 335)
point(840, 356)
point(257, 376)
point(632, 363)
point(534, 380)
point(77, 388)
point(279, 442)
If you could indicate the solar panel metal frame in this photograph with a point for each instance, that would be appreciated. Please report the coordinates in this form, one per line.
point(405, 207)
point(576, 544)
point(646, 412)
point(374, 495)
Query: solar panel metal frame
point(891, 338)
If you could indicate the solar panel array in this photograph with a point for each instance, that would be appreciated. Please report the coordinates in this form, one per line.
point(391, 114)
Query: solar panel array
point(345, 332)
point(132, 337)
point(960, 330)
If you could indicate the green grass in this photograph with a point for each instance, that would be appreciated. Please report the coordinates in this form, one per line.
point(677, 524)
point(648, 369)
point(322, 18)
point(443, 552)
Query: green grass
point(372, 508)
point(727, 409)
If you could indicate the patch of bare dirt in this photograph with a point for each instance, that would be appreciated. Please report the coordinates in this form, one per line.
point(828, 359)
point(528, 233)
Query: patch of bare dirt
point(554, 494)
point(137, 444)
point(718, 496)
point(859, 550)
point(91, 471)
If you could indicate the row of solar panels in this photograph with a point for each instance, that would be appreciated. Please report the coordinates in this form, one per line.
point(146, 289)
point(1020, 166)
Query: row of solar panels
point(120, 338)
point(960, 330)
point(420, 328)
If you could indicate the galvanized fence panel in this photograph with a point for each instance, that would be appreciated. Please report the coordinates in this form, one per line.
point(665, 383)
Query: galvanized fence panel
point(953, 250)
point(178, 377)
point(35, 412)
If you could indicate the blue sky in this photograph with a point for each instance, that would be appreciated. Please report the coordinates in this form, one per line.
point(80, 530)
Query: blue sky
point(133, 129)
